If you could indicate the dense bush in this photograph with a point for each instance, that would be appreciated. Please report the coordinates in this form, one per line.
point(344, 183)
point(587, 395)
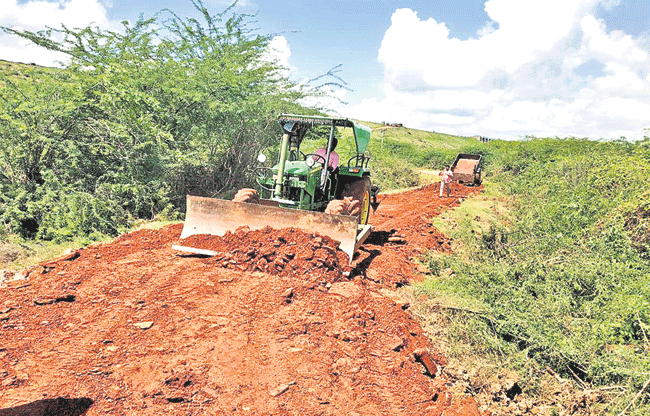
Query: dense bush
point(394, 174)
point(134, 121)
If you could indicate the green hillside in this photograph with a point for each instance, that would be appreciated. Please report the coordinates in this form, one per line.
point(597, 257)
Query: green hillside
point(400, 152)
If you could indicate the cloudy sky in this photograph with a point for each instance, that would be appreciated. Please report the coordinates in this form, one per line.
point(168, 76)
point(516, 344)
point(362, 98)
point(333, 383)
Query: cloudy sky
point(497, 68)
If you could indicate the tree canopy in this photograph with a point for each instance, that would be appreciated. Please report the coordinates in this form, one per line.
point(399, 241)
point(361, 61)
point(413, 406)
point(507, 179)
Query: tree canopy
point(136, 120)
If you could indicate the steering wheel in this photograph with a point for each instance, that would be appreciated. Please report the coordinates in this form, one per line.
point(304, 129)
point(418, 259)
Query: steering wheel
point(316, 158)
point(262, 173)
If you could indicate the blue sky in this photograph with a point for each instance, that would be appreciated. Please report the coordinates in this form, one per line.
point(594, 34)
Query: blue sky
point(497, 68)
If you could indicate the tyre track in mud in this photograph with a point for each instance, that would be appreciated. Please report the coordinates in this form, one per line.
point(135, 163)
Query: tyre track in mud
point(276, 325)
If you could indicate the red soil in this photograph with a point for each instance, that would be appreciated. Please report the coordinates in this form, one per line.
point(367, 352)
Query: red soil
point(276, 325)
point(466, 166)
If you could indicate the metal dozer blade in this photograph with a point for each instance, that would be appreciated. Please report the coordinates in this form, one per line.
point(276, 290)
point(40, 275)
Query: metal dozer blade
point(216, 217)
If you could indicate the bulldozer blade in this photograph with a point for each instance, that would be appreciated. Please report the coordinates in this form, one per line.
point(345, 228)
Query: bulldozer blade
point(216, 217)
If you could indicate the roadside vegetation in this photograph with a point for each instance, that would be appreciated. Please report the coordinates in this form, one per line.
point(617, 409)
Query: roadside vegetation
point(135, 121)
point(139, 119)
point(551, 273)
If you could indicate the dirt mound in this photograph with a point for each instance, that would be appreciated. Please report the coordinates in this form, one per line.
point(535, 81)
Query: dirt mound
point(133, 327)
point(289, 251)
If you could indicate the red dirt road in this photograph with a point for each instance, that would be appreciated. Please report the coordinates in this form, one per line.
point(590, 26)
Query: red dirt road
point(277, 325)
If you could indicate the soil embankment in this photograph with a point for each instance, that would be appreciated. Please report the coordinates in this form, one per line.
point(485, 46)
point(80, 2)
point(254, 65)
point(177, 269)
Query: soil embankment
point(277, 325)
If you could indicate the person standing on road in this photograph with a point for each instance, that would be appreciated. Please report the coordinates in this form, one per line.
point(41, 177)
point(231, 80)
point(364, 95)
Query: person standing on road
point(445, 181)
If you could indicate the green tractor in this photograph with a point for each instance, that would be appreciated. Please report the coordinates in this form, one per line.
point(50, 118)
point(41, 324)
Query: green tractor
point(315, 192)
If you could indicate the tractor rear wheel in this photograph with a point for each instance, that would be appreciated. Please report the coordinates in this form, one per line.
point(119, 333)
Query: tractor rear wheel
point(359, 194)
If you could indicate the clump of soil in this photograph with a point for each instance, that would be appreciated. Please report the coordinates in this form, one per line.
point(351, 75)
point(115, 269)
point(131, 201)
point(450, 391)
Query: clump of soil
point(466, 166)
point(288, 251)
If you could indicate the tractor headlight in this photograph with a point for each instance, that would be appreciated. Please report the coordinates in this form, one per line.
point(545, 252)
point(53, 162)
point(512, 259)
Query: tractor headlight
point(310, 162)
point(261, 158)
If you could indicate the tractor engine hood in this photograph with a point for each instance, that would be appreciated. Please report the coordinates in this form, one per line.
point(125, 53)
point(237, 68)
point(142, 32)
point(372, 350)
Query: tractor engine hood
point(295, 168)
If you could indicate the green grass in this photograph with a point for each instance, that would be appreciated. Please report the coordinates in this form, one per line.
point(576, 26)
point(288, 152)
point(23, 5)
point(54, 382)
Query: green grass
point(555, 271)
point(17, 253)
point(19, 71)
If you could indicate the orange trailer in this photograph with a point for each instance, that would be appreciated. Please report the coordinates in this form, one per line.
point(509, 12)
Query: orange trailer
point(467, 169)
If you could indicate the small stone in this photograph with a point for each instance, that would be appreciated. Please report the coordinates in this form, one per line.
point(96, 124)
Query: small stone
point(144, 325)
point(403, 304)
point(422, 356)
point(210, 392)
point(396, 240)
point(8, 381)
point(396, 343)
point(420, 268)
point(281, 389)
point(21, 275)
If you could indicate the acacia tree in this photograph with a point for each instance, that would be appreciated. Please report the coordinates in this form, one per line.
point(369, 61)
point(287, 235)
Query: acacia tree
point(135, 120)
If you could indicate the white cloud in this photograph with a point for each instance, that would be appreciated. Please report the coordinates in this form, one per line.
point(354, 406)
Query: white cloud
point(615, 45)
point(518, 77)
point(620, 78)
point(35, 15)
point(487, 29)
point(278, 50)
